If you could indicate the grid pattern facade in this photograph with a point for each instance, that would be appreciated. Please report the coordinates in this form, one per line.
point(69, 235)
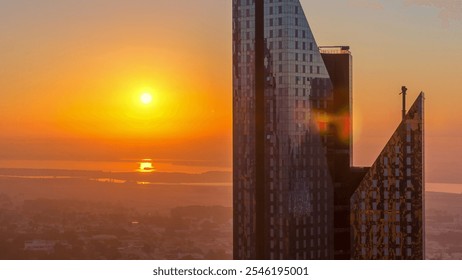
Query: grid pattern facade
point(387, 209)
point(298, 95)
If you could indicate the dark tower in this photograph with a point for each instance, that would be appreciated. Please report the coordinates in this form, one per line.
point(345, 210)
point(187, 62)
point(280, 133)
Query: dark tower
point(338, 61)
point(260, 192)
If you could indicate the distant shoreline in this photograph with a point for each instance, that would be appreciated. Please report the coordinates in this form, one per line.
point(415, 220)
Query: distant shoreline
point(218, 178)
point(116, 166)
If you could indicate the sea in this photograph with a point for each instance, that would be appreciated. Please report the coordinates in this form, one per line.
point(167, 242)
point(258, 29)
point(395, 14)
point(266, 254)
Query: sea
point(123, 165)
point(161, 165)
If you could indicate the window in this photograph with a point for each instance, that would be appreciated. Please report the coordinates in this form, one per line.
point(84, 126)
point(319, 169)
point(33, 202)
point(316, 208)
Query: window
point(409, 218)
point(408, 195)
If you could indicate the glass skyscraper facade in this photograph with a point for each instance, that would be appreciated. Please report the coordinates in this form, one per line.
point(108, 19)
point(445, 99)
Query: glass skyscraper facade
point(387, 209)
point(292, 173)
point(298, 92)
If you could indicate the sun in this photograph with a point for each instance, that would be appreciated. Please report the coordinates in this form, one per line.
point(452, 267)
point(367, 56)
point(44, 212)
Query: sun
point(146, 98)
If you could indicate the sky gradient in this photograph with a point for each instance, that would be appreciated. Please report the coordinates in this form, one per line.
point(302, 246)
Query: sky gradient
point(71, 73)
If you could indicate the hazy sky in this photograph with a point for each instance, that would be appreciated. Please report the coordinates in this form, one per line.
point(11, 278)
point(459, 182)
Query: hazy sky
point(71, 72)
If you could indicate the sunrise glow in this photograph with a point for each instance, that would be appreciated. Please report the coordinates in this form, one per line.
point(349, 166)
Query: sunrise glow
point(146, 98)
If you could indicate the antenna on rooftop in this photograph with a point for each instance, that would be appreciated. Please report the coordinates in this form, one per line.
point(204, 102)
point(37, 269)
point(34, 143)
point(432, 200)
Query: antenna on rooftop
point(404, 93)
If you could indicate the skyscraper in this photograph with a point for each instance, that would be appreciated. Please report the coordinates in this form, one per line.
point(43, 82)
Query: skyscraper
point(387, 209)
point(339, 64)
point(297, 195)
point(293, 174)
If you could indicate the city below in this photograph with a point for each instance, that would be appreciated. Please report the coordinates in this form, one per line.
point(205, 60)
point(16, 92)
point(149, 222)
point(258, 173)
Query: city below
point(180, 217)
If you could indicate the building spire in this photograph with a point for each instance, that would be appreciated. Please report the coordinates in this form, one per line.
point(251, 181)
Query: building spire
point(404, 93)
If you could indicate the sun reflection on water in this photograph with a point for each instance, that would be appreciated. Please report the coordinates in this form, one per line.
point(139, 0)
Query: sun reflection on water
point(146, 167)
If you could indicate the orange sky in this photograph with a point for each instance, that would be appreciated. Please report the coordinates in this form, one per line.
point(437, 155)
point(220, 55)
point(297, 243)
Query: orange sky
point(71, 74)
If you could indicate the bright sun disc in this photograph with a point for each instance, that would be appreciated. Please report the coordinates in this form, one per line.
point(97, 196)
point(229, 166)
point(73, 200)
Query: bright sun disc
point(146, 98)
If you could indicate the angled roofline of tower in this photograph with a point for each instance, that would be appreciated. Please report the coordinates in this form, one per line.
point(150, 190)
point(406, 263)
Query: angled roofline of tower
point(388, 206)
